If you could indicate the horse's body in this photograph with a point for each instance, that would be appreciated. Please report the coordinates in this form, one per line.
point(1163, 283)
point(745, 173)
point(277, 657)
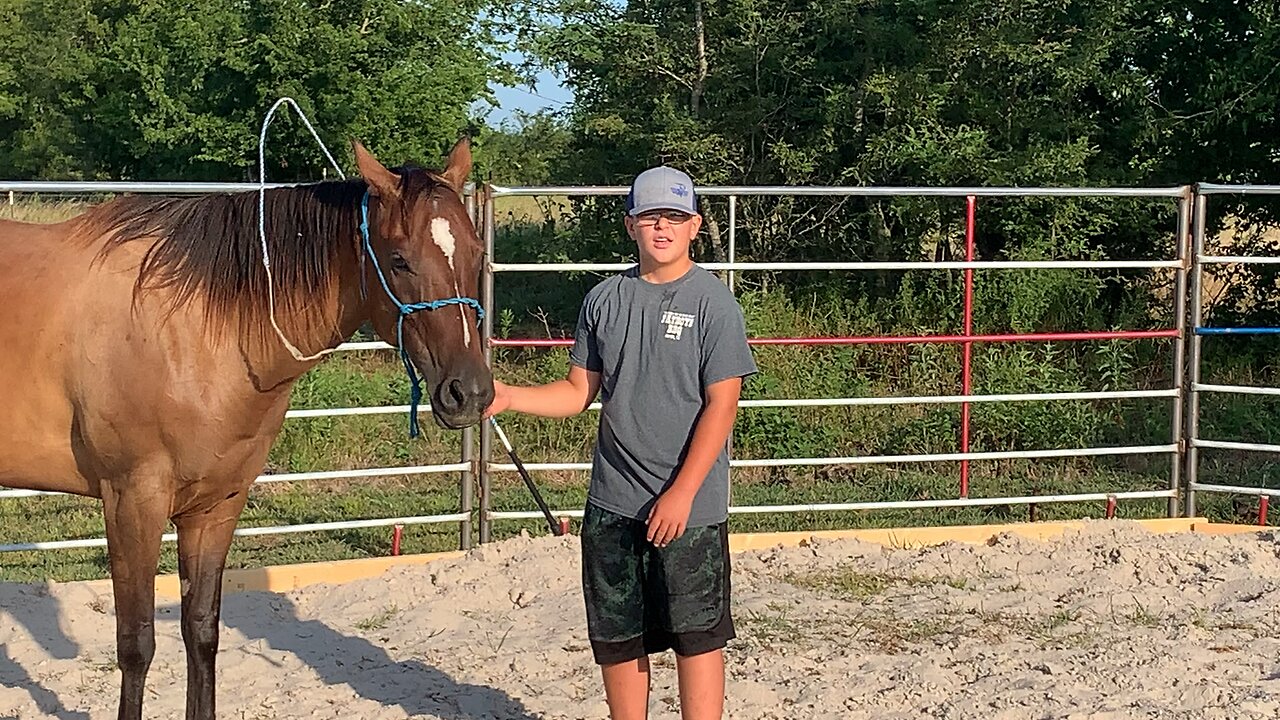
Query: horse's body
point(101, 387)
point(143, 369)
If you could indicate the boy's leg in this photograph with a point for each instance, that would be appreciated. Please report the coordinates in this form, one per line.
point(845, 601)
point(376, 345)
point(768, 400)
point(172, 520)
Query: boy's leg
point(613, 588)
point(694, 573)
point(701, 685)
point(626, 688)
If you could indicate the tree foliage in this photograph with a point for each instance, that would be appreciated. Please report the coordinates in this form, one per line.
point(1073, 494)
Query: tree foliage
point(920, 92)
point(924, 92)
point(165, 91)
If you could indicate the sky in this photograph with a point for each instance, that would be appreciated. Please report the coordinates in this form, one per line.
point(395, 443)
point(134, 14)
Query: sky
point(547, 93)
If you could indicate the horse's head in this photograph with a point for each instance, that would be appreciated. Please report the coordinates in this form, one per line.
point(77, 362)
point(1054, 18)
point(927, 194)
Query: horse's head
point(425, 248)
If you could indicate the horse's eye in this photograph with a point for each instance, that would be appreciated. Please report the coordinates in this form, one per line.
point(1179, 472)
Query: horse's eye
point(399, 264)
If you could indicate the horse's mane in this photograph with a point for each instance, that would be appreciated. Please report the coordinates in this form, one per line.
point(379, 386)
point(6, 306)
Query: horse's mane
point(209, 245)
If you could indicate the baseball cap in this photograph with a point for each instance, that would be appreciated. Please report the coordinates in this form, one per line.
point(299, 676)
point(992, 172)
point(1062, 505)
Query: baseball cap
point(662, 188)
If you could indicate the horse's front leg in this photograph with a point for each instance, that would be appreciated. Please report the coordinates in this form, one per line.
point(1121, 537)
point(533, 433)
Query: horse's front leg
point(203, 540)
point(135, 510)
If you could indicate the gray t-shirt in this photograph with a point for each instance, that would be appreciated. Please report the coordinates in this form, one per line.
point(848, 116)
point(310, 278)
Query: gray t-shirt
point(657, 347)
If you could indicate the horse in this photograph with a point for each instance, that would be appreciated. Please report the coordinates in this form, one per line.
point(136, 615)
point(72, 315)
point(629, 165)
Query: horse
point(150, 351)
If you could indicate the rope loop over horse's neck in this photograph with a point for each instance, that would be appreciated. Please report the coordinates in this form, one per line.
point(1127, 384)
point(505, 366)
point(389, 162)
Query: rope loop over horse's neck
point(262, 229)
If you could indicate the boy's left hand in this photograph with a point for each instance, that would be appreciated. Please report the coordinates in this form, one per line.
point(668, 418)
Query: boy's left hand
point(668, 517)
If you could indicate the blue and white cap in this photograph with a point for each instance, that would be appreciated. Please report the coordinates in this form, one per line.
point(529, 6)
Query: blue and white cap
point(662, 188)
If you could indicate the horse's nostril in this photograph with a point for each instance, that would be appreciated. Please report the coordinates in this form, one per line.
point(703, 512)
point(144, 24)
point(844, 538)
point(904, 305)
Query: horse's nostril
point(456, 394)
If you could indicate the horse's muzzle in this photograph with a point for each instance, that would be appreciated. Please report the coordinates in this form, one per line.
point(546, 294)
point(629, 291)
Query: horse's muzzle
point(460, 399)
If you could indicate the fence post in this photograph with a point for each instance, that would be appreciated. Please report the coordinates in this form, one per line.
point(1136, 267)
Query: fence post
point(466, 501)
point(733, 258)
point(733, 236)
point(1183, 250)
point(1192, 380)
point(966, 362)
point(486, 337)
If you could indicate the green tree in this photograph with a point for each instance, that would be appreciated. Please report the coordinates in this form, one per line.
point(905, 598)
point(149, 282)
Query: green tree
point(1035, 92)
point(153, 90)
point(526, 150)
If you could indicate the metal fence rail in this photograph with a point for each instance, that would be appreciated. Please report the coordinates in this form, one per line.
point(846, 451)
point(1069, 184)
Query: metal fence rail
point(1186, 265)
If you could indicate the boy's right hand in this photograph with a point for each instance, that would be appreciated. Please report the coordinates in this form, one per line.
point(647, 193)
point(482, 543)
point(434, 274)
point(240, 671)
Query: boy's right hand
point(501, 399)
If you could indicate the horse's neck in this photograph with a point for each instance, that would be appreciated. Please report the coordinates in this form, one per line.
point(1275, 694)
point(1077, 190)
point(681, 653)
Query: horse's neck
point(345, 310)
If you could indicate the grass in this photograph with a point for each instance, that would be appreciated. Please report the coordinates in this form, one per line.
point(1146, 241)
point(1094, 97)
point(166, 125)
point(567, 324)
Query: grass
point(850, 584)
point(879, 623)
point(372, 378)
point(51, 208)
point(47, 208)
point(773, 624)
point(379, 621)
point(777, 626)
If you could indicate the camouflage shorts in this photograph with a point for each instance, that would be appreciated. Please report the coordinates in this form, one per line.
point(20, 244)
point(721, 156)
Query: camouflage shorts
point(642, 599)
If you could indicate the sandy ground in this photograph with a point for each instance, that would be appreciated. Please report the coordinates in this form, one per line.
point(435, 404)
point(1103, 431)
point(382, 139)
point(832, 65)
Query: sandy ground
point(1106, 622)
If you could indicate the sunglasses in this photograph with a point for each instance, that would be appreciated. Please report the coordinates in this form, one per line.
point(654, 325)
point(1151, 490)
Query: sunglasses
point(675, 217)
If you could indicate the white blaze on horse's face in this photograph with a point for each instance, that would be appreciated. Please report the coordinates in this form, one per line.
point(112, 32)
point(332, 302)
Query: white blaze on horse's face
point(442, 236)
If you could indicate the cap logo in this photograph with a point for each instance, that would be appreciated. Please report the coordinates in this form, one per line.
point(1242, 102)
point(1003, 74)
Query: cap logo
point(680, 190)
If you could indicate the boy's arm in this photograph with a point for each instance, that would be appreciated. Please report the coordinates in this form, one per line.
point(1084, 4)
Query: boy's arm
point(670, 513)
point(562, 398)
point(558, 399)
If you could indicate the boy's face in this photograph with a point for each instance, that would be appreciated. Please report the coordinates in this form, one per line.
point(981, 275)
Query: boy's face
point(663, 236)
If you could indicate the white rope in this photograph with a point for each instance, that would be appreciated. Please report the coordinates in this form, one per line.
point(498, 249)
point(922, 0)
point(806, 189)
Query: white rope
point(262, 231)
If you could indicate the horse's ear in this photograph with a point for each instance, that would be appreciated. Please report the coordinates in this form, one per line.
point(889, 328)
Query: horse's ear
point(458, 168)
point(382, 182)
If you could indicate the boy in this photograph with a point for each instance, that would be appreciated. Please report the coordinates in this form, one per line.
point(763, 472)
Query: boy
point(665, 343)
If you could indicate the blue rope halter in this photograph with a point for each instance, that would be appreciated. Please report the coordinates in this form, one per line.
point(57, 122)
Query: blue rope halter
point(407, 309)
